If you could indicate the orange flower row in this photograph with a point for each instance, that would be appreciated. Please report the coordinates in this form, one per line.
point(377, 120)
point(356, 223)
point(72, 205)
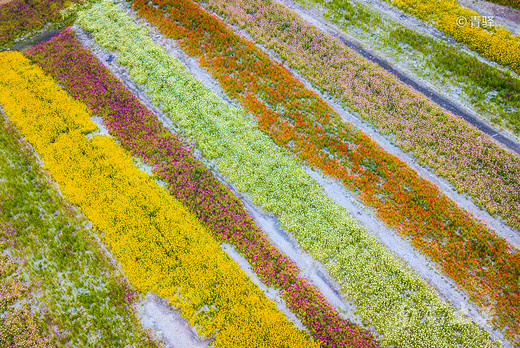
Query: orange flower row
point(300, 120)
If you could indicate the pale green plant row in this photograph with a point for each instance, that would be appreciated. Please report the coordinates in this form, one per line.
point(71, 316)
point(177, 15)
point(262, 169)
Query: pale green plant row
point(82, 297)
point(403, 308)
point(490, 90)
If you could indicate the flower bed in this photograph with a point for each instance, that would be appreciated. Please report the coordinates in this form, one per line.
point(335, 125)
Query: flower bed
point(460, 153)
point(139, 132)
point(490, 41)
point(493, 92)
point(160, 244)
point(376, 281)
point(83, 298)
point(477, 259)
point(20, 17)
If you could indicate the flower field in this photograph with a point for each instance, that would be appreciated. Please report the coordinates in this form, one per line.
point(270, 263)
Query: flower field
point(85, 233)
point(444, 13)
point(311, 129)
point(18, 326)
point(159, 250)
point(139, 131)
point(493, 92)
point(60, 256)
point(395, 109)
point(512, 3)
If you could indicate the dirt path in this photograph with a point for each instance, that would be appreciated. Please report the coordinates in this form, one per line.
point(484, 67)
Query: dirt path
point(411, 81)
point(500, 12)
point(5, 2)
point(168, 324)
point(33, 39)
point(312, 269)
point(434, 96)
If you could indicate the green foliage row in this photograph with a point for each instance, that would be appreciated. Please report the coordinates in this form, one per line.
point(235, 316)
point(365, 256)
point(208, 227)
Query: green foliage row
point(476, 78)
point(82, 294)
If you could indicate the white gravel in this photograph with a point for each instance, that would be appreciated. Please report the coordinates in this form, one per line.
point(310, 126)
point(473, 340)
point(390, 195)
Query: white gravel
point(310, 268)
point(168, 324)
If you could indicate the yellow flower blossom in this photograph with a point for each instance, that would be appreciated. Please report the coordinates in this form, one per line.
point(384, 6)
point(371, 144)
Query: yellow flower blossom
point(162, 247)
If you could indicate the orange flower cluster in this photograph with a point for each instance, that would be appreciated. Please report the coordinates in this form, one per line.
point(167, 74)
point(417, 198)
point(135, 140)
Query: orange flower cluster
point(294, 117)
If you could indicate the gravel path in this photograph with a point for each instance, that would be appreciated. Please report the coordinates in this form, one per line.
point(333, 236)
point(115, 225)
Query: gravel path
point(310, 268)
point(41, 36)
point(408, 79)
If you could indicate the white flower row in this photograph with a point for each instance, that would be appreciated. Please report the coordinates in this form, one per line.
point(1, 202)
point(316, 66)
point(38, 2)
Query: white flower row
point(398, 303)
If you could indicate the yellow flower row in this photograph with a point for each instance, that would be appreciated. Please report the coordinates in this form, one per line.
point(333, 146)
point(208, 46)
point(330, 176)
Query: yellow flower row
point(161, 246)
point(478, 32)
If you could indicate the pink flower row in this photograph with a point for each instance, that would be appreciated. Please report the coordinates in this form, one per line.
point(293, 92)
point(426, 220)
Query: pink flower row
point(457, 151)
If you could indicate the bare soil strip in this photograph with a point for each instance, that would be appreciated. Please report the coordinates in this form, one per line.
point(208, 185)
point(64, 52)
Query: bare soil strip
point(311, 269)
point(32, 40)
point(408, 80)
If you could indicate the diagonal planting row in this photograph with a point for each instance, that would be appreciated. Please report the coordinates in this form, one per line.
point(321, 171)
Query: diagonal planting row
point(83, 298)
point(299, 120)
point(160, 244)
point(399, 305)
point(494, 92)
point(19, 17)
point(140, 132)
point(457, 151)
point(478, 32)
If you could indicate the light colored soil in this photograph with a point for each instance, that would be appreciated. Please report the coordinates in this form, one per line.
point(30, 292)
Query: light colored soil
point(508, 16)
point(168, 324)
point(311, 269)
point(5, 2)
